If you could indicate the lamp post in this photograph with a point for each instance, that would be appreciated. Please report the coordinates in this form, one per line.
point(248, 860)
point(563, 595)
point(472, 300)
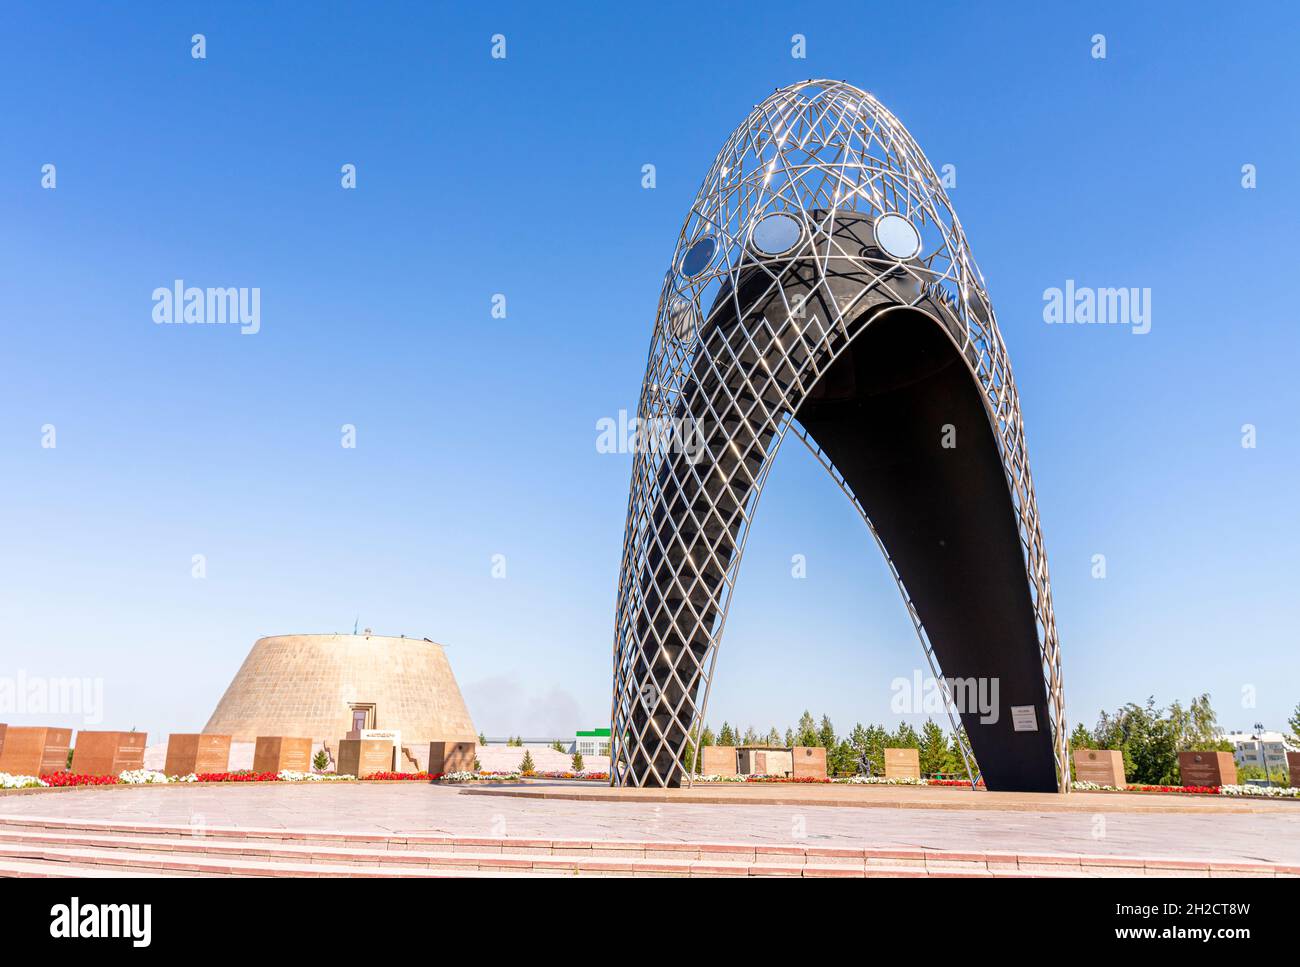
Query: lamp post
point(1263, 752)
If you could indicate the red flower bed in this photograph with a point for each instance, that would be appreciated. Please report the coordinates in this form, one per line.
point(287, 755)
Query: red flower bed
point(1196, 790)
point(74, 779)
point(952, 782)
point(391, 776)
point(237, 777)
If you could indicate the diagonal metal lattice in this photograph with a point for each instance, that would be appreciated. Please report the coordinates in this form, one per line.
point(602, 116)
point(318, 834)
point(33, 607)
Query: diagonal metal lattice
point(741, 338)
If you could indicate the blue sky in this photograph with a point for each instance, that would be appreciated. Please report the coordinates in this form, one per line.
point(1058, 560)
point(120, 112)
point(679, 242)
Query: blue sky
point(476, 436)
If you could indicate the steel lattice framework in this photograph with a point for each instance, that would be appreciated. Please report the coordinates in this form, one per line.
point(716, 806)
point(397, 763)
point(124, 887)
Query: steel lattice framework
point(741, 339)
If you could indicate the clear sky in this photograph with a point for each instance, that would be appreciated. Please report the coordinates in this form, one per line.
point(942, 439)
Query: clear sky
point(475, 436)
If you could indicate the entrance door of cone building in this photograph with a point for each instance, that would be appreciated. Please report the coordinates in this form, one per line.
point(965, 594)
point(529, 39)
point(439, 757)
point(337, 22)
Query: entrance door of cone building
point(363, 717)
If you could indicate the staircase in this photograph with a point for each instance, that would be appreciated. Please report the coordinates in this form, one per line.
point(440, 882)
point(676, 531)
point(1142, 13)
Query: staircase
point(35, 847)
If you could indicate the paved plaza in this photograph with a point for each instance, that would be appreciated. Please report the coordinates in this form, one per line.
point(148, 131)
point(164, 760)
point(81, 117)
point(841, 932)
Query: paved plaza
point(1203, 829)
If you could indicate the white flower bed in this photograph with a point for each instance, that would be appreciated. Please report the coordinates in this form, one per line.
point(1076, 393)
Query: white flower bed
point(9, 781)
point(480, 776)
point(1275, 792)
point(1265, 792)
point(881, 781)
point(140, 777)
point(288, 775)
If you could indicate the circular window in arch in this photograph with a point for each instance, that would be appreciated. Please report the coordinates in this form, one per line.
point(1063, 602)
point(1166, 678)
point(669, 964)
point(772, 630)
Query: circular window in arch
point(897, 237)
point(698, 256)
point(776, 234)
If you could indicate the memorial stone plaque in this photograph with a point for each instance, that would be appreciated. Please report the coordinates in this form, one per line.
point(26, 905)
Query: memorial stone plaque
point(902, 764)
point(365, 757)
point(278, 753)
point(108, 753)
point(197, 753)
point(394, 736)
point(1207, 768)
point(54, 750)
point(1105, 767)
point(445, 757)
point(1293, 766)
point(809, 762)
point(718, 760)
point(35, 750)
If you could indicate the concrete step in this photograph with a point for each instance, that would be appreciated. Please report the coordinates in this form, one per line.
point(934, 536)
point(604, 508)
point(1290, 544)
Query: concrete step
point(40, 869)
point(63, 861)
point(453, 854)
point(67, 861)
point(250, 859)
point(263, 860)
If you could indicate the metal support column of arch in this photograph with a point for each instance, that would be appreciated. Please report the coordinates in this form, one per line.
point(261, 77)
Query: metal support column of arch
point(822, 282)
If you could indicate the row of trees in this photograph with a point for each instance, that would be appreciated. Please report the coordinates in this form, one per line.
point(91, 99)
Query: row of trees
point(939, 754)
point(1148, 737)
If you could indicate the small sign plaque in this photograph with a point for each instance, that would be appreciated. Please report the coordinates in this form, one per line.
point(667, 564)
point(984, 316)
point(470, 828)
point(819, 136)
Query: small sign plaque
point(1024, 718)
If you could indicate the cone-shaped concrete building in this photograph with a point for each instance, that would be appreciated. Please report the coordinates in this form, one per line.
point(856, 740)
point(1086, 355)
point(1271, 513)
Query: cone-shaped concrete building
point(325, 686)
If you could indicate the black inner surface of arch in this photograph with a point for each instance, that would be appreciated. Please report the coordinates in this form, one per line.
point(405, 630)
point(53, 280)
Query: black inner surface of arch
point(945, 515)
point(880, 413)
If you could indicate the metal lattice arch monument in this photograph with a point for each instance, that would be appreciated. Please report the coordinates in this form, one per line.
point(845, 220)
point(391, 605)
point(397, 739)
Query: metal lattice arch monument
point(822, 286)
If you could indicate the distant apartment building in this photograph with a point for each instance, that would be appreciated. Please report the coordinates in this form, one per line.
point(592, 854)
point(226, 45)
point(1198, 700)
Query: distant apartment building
point(1264, 749)
point(593, 742)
